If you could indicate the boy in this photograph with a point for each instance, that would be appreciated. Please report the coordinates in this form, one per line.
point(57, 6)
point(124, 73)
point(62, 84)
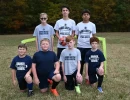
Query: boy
point(64, 27)
point(70, 58)
point(85, 30)
point(43, 30)
point(45, 66)
point(94, 59)
point(21, 68)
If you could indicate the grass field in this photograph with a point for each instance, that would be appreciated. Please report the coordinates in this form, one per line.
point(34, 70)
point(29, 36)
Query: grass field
point(116, 85)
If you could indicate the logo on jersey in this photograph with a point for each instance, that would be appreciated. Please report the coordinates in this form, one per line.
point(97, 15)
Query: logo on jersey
point(94, 58)
point(70, 57)
point(21, 65)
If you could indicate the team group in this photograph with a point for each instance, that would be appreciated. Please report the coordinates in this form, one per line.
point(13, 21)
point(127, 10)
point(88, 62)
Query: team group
point(45, 67)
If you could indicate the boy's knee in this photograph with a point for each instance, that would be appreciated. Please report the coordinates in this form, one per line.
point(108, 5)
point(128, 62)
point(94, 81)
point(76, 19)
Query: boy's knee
point(57, 77)
point(28, 79)
point(44, 90)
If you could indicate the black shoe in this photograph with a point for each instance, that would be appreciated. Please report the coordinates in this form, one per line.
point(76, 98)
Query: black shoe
point(30, 93)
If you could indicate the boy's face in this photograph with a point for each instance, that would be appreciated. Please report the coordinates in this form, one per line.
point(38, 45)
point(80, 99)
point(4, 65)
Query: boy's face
point(43, 18)
point(65, 12)
point(86, 16)
point(22, 51)
point(45, 45)
point(94, 45)
point(71, 44)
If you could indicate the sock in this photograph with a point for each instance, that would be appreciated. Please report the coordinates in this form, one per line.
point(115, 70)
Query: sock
point(29, 86)
point(100, 80)
point(54, 84)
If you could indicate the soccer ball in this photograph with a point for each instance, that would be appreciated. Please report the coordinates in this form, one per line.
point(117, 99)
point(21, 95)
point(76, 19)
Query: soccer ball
point(62, 41)
point(79, 79)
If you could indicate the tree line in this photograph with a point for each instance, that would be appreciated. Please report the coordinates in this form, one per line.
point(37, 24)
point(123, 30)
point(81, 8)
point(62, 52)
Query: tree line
point(23, 15)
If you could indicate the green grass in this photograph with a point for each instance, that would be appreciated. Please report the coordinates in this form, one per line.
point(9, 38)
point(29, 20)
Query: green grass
point(116, 84)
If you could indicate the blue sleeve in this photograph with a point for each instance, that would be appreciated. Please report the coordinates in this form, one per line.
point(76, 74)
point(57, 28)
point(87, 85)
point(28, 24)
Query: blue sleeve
point(13, 63)
point(86, 58)
point(102, 58)
point(55, 58)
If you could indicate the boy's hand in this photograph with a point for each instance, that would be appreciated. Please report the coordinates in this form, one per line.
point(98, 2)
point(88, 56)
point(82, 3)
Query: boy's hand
point(27, 75)
point(36, 81)
point(14, 82)
point(65, 79)
point(78, 75)
point(87, 77)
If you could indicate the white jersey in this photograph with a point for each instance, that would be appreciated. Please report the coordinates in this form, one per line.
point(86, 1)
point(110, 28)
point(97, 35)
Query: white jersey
point(41, 32)
point(65, 28)
point(70, 59)
point(85, 32)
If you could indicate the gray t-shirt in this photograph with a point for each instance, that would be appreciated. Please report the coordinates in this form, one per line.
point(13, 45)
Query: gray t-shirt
point(85, 32)
point(65, 28)
point(70, 59)
point(41, 32)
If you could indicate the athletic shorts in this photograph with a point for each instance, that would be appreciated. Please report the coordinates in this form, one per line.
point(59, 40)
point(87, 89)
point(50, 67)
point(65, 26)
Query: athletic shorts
point(59, 50)
point(43, 80)
point(22, 82)
point(83, 52)
point(71, 79)
point(93, 76)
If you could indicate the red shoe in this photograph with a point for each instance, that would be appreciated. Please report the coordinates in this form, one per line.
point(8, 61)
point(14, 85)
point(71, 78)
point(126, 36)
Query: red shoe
point(50, 81)
point(87, 82)
point(54, 91)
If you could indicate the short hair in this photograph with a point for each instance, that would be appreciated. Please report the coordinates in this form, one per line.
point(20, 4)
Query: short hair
point(43, 14)
point(65, 7)
point(94, 39)
point(85, 11)
point(45, 39)
point(22, 46)
point(69, 38)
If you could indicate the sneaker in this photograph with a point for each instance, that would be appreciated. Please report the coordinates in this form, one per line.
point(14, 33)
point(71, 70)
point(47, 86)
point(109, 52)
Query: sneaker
point(50, 81)
point(77, 89)
point(87, 82)
point(30, 93)
point(100, 89)
point(54, 91)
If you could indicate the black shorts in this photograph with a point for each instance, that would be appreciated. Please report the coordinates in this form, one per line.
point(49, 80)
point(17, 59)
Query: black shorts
point(92, 73)
point(71, 79)
point(59, 50)
point(22, 84)
point(83, 52)
point(43, 80)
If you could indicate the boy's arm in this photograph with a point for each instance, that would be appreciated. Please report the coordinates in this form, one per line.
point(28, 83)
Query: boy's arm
point(52, 42)
point(101, 65)
point(63, 71)
point(36, 80)
point(36, 44)
point(13, 76)
point(86, 66)
point(73, 33)
point(57, 66)
point(78, 67)
point(57, 34)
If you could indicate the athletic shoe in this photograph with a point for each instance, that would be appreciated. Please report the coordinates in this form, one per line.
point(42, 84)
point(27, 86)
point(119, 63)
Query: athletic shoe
point(87, 82)
point(54, 91)
point(30, 93)
point(100, 89)
point(50, 81)
point(77, 89)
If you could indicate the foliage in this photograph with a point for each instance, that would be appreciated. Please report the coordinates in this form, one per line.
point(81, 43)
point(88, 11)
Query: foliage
point(23, 15)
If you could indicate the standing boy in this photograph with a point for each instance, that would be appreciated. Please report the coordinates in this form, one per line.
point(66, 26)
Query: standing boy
point(43, 30)
point(21, 68)
point(94, 60)
point(45, 66)
point(85, 30)
point(64, 27)
point(70, 58)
